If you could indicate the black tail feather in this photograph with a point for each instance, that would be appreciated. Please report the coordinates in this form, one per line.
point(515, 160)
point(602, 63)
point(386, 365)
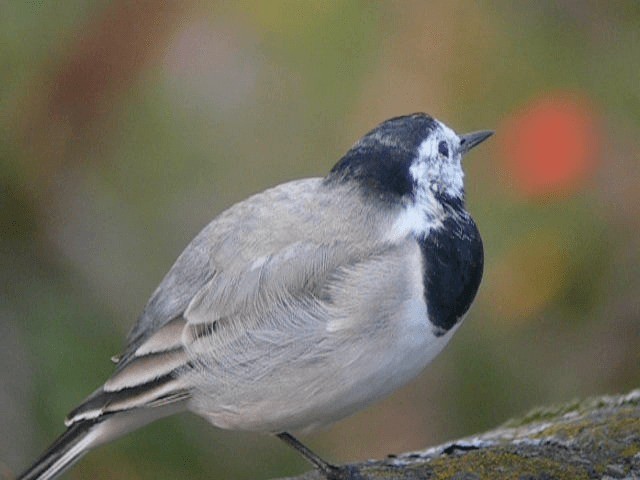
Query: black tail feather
point(48, 465)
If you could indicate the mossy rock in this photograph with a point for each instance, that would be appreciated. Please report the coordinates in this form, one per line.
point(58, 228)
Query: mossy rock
point(593, 439)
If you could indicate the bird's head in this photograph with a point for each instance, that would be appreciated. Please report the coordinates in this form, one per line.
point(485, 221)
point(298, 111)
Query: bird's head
point(407, 159)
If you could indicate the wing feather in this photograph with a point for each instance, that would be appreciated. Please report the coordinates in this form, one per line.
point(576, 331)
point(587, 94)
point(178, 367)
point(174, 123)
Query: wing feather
point(261, 269)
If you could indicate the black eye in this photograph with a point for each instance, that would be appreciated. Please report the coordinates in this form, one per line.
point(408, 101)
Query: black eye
point(443, 148)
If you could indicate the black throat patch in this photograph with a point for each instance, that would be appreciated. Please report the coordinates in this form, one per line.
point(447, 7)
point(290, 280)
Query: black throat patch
point(453, 260)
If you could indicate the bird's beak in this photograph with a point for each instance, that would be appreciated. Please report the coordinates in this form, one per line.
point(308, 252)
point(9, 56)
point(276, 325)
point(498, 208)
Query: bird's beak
point(470, 140)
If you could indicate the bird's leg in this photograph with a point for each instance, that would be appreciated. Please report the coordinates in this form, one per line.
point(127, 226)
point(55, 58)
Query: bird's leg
point(320, 464)
point(331, 472)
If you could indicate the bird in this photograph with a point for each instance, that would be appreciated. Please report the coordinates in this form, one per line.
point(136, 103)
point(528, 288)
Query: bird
point(302, 304)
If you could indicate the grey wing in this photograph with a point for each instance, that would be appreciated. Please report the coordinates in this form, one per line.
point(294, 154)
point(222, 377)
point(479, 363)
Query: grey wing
point(190, 273)
point(161, 341)
point(248, 232)
point(264, 359)
point(286, 289)
point(144, 375)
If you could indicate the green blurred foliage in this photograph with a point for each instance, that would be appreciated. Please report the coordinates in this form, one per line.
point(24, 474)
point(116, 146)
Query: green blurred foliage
point(124, 129)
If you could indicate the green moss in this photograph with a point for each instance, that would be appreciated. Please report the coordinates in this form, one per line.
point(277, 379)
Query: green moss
point(542, 414)
point(625, 421)
point(630, 451)
point(553, 412)
point(493, 463)
point(600, 439)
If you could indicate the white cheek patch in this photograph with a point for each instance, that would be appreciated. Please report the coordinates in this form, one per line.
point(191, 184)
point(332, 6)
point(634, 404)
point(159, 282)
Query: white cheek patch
point(427, 165)
point(458, 180)
point(453, 177)
point(441, 174)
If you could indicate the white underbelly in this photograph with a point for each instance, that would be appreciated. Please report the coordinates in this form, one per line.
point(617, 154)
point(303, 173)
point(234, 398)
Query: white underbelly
point(313, 391)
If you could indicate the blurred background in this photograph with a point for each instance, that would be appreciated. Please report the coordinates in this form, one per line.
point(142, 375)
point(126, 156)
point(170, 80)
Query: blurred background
point(126, 126)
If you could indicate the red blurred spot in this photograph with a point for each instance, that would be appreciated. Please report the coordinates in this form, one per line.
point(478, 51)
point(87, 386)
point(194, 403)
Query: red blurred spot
point(551, 145)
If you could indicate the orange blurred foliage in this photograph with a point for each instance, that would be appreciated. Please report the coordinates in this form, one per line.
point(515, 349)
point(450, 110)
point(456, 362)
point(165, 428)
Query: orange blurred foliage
point(523, 281)
point(550, 146)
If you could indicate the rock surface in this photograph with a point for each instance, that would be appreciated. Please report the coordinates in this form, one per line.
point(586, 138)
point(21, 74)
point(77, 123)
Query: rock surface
point(598, 438)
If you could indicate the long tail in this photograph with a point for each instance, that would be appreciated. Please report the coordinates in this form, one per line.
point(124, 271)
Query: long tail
point(86, 434)
point(65, 451)
point(144, 388)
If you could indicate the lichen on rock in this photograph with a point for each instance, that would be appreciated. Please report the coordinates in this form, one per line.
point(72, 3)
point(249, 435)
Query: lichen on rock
point(598, 438)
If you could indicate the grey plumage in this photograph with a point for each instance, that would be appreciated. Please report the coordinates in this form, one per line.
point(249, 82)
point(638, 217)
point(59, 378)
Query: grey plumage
point(293, 308)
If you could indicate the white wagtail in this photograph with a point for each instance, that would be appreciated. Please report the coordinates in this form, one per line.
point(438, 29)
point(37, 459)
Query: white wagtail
point(304, 303)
